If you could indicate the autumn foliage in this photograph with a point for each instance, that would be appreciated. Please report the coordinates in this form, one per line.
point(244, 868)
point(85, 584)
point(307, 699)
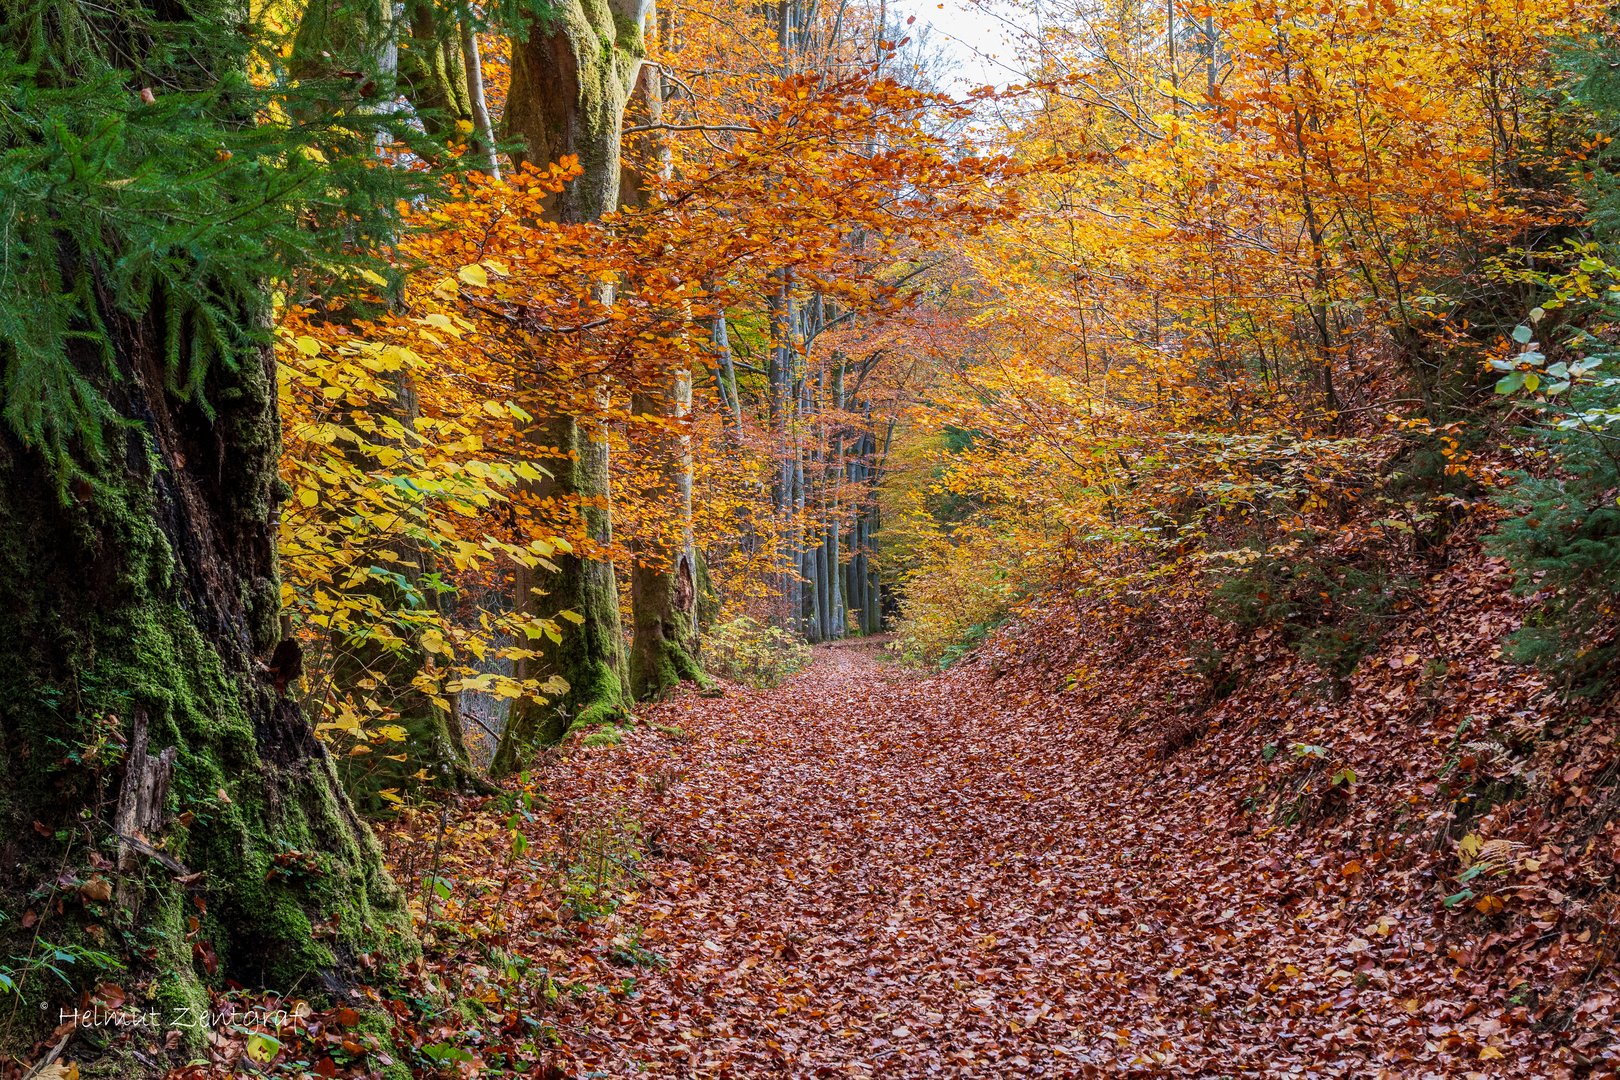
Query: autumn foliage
point(1191, 459)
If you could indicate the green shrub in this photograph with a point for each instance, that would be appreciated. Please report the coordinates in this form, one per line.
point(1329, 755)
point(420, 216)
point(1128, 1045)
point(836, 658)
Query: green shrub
point(752, 653)
point(1563, 543)
point(1332, 610)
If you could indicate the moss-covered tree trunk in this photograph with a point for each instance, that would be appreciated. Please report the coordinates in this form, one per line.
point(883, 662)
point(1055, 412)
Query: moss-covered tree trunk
point(571, 79)
point(433, 69)
point(663, 576)
point(152, 588)
point(590, 656)
point(572, 74)
point(152, 769)
point(663, 582)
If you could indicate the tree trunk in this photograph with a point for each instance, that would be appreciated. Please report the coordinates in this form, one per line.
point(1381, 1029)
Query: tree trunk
point(873, 594)
point(590, 657)
point(798, 578)
point(433, 70)
point(663, 582)
point(571, 80)
point(345, 35)
point(139, 585)
point(857, 575)
point(726, 380)
point(153, 590)
point(483, 130)
point(835, 562)
point(779, 375)
point(826, 578)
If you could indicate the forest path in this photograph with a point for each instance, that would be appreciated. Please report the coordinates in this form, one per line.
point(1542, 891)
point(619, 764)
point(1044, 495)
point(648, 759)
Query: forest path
point(988, 873)
point(866, 872)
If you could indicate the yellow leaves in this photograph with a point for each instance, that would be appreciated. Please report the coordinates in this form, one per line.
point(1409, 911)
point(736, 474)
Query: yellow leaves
point(346, 720)
point(535, 628)
point(307, 345)
point(473, 274)
point(433, 641)
point(389, 358)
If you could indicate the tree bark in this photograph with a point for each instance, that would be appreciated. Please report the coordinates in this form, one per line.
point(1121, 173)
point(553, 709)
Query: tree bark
point(345, 35)
point(483, 130)
point(663, 581)
point(152, 590)
point(779, 377)
point(571, 79)
point(433, 69)
point(590, 657)
point(140, 584)
point(663, 576)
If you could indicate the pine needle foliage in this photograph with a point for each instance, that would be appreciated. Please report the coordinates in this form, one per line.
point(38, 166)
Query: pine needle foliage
point(157, 163)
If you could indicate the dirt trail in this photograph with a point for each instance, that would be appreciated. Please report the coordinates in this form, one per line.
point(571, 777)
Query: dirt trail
point(866, 873)
point(870, 873)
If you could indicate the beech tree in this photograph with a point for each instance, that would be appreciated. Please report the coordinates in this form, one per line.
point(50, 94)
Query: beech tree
point(572, 75)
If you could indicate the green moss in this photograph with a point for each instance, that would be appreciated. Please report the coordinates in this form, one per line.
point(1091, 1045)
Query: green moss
point(177, 992)
point(666, 667)
point(628, 36)
point(106, 621)
point(380, 1024)
point(603, 736)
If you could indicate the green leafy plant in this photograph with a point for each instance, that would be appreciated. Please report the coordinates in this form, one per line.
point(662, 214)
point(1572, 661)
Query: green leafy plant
point(48, 959)
point(602, 858)
point(1563, 538)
